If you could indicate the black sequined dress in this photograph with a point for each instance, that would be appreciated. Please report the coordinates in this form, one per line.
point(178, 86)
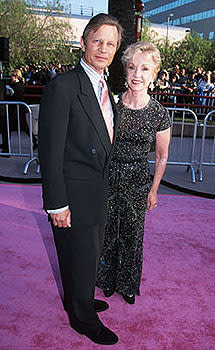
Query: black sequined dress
point(120, 266)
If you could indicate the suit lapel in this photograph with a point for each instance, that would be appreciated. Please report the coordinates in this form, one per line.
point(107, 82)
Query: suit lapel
point(91, 106)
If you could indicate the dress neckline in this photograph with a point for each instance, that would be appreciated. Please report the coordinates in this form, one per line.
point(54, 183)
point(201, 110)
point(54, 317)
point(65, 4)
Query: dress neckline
point(133, 109)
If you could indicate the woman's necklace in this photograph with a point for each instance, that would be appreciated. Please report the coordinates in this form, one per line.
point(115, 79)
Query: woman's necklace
point(136, 102)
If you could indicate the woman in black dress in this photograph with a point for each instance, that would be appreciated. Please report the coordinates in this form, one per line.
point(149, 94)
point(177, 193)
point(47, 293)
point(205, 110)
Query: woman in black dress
point(142, 121)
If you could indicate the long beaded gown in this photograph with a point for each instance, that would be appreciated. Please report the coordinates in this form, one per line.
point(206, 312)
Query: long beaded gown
point(120, 265)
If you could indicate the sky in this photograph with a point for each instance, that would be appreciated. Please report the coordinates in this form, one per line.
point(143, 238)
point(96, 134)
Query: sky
point(98, 5)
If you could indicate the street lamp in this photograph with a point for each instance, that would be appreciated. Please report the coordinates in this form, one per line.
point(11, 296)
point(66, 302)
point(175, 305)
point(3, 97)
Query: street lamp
point(139, 7)
point(167, 28)
point(167, 34)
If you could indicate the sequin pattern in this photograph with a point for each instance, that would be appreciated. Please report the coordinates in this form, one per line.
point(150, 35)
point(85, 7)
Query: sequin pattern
point(120, 266)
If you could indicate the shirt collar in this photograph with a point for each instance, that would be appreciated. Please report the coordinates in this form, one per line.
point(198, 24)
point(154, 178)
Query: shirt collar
point(92, 74)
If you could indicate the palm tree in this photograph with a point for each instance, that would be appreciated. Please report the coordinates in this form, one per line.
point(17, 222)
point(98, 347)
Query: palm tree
point(124, 11)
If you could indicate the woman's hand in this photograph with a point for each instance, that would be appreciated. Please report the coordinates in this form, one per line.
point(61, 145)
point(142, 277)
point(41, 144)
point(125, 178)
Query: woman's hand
point(152, 200)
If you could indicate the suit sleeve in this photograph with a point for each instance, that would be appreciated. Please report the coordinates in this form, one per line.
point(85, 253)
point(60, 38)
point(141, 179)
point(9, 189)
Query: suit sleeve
point(53, 124)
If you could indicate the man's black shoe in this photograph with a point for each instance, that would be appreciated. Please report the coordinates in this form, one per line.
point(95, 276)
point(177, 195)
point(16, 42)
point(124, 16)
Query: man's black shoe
point(98, 333)
point(100, 305)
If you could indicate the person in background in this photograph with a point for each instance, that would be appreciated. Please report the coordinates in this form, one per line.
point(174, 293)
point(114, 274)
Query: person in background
point(15, 92)
point(142, 120)
point(43, 74)
point(51, 70)
point(77, 125)
point(19, 76)
point(175, 72)
point(205, 87)
point(213, 82)
point(190, 84)
point(34, 75)
point(183, 76)
point(162, 83)
point(199, 73)
point(174, 84)
point(189, 87)
point(26, 73)
point(205, 84)
point(3, 121)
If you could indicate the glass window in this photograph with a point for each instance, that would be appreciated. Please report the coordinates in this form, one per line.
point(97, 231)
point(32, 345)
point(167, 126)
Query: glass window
point(211, 35)
point(167, 7)
point(193, 18)
point(197, 16)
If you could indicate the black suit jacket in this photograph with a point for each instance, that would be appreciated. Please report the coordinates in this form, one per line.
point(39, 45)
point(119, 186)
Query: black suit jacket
point(74, 148)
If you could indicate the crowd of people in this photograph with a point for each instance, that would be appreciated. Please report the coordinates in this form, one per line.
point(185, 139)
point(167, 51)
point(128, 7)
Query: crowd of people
point(178, 80)
point(40, 74)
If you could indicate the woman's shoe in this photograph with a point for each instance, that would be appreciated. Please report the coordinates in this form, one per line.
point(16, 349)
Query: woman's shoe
point(130, 299)
point(108, 292)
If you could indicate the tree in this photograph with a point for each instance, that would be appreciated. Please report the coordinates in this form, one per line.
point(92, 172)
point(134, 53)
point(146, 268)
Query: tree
point(210, 57)
point(194, 51)
point(34, 38)
point(147, 34)
point(190, 53)
point(123, 10)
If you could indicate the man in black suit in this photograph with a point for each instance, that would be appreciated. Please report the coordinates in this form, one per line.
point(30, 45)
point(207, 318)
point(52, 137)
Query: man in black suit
point(75, 150)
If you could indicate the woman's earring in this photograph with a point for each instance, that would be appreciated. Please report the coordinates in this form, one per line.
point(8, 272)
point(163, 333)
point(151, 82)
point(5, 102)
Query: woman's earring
point(126, 84)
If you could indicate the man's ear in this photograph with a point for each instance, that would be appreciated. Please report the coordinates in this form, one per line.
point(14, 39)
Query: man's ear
point(83, 46)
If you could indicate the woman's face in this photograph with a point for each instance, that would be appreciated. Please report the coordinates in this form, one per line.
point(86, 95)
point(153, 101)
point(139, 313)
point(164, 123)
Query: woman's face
point(162, 76)
point(140, 71)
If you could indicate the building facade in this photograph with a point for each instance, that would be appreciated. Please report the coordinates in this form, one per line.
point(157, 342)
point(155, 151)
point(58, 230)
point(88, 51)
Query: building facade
point(198, 15)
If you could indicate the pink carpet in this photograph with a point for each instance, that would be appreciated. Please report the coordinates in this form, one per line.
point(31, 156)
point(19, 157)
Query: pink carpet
point(176, 309)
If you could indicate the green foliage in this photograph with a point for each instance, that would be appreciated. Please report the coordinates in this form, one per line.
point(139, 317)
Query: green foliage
point(35, 38)
point(190, 53)
point(147, 34)
point(193, 52)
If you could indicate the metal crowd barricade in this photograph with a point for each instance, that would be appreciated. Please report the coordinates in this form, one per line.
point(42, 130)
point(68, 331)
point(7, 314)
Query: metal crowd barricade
point(20, 149)
point(200, 104)
point(183, 139)
point(207, 155)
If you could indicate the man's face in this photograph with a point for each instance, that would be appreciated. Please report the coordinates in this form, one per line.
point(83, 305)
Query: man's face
point(100, 48)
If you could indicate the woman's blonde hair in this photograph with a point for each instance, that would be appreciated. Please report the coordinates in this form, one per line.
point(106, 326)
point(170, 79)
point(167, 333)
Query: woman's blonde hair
point(19, 76)
point(142, 46)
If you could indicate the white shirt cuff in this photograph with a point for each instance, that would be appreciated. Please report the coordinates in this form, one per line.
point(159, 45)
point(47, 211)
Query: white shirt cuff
point(57, 211)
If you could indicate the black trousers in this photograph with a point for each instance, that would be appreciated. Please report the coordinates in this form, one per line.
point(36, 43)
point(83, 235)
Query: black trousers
point(79, 249)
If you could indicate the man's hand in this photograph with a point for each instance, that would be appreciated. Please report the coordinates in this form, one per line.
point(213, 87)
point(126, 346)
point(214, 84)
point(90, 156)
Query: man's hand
point(62, 219)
